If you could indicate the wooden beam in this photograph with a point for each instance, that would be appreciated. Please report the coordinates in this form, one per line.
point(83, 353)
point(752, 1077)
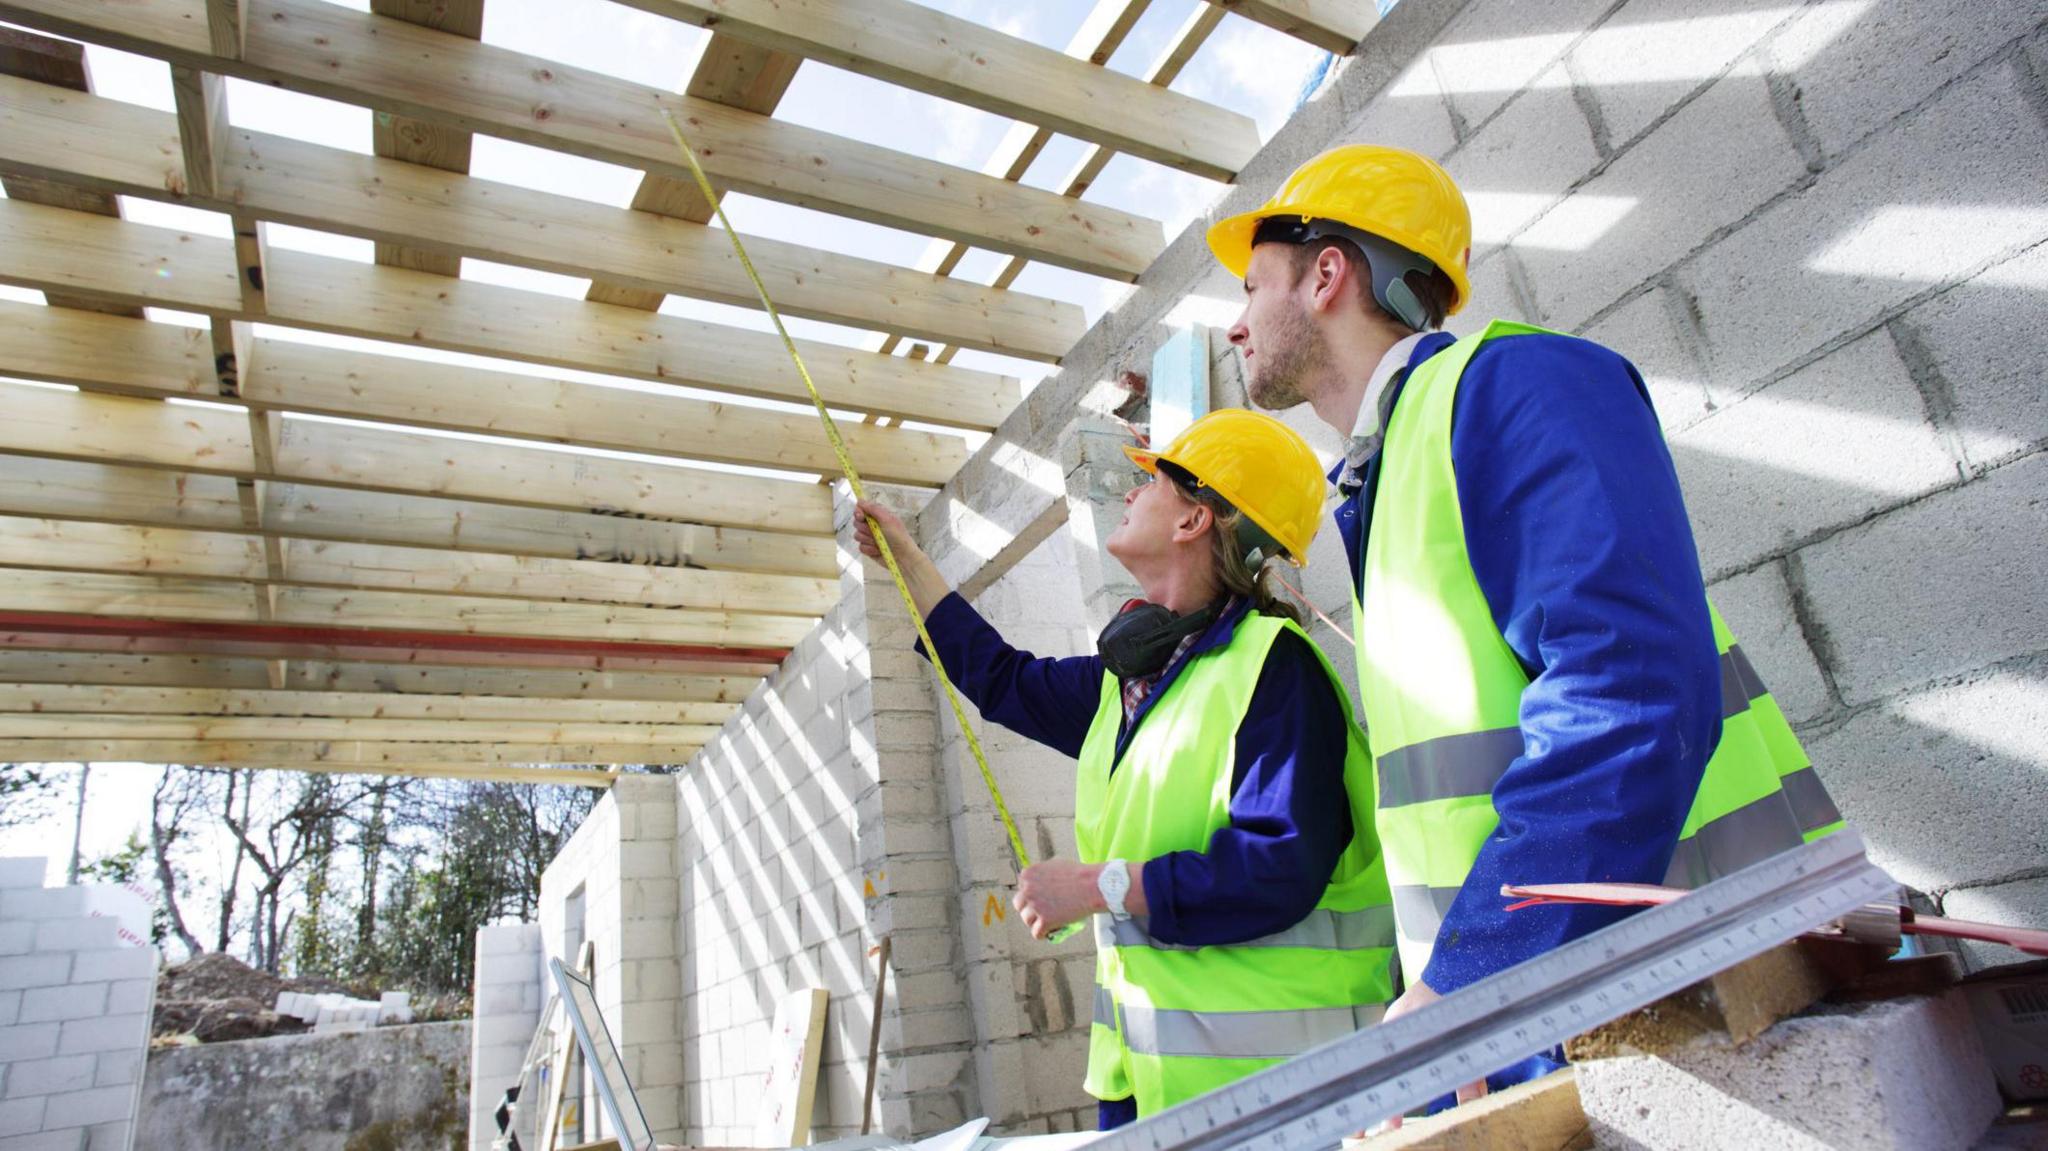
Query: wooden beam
point(546, 776)
point(77, 699)
point(116, 429)
point(227, 27)
point(398, 682)
point(348, 755)
point(957, 59)
point(150, 497)
point(426, 142)
point(1332, 25)
point(447, 652)
point(730, 72)
point(61, 545)
point(392, 66)
point(172, 598)
point(134, 263)
point(59, 64)
point(134, 357)
point(110, 145)
point(100, 725)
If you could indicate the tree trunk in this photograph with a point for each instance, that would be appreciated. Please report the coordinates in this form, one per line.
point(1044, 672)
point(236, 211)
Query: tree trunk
point(161, 838)
point(78, 823)
point(230, 889)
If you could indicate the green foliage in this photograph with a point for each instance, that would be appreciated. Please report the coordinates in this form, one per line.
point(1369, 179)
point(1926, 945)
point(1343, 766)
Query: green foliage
point(24, 790)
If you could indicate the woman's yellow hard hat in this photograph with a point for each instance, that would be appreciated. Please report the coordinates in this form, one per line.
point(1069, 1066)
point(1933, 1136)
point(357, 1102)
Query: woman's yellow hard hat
point(1262, 466)
point(1400, 196)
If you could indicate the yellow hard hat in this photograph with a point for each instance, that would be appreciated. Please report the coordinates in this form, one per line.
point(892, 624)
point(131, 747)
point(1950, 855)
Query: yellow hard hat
point(1400, 196)
point(1262, 466)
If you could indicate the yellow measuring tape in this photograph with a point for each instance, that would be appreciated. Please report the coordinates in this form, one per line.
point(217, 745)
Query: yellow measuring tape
point(853, 480)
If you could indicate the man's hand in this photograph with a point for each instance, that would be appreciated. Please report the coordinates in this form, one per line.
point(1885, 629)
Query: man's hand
point(1418, 996)
point(1057, 892)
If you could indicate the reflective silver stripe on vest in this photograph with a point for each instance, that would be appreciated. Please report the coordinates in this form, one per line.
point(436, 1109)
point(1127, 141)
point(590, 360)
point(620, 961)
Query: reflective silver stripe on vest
point(1447, 767)
point(1752, 832)
point(1421, 910)
point(1105, 1007)
point(1739, 682)
point(1812, 806)
point(1323, 929)
point(1240, 1034)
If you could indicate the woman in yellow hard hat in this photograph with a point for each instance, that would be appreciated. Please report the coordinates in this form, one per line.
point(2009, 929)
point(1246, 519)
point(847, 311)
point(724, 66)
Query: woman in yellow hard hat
point(1223, 804)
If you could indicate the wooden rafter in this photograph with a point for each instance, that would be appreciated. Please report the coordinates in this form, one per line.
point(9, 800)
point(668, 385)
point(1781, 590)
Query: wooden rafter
point(397, 682)
point(425, 142)
point(395, 67)
point(444, 651)
point(944, 55)
point(1332, 25)
point(336, 755)
point(135, 263)
point(196, 702)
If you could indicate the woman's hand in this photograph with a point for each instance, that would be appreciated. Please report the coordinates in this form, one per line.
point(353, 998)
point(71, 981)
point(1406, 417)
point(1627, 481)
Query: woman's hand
point(927, 586)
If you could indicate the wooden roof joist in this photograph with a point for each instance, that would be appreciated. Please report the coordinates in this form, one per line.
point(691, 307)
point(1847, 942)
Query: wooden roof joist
point(482, 773)
point(393, 66)
point(434, 653)
point(1332, 25)
point(54, 249)
point(63, 545)
point(944, 55)
point(337, 755)
point(136, 357)
point(117, 429)
point(235, 601)
point(101, 144)
point(100, 725)
point(151, 497)
point(221, 703)
point(396, 682)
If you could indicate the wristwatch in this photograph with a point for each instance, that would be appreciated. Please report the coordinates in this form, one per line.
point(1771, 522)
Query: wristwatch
point(1114, 882)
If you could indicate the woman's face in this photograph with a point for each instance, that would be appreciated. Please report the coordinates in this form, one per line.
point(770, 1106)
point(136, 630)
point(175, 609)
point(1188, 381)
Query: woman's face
point(1153, 512)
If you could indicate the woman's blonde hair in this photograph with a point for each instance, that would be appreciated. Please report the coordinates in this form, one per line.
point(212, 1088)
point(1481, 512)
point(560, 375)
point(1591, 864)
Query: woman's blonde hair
point(1245, 553)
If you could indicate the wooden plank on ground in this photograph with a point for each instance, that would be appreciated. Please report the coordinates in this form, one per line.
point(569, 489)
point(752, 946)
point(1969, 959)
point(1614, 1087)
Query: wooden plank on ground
point(171, 598)
point(957, 59)
point(1543, 1115)
point(70, 545)
point(392, 66)
point(348, 755)
point(151, 497)
point(398, 682)
point(117, 429)
point(218, 702)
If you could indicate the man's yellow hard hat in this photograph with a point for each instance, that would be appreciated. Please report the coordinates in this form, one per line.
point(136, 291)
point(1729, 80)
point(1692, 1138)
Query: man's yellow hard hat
point(1262, 466)
point(1402, 197)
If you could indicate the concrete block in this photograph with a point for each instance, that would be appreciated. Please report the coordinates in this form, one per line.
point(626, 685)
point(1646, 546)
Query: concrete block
point(1647, 332)
point(1409, 113)
point(22, 870)
point(87, 934)
point(17, 937)
point(73, 1001)
point(1758, 609)
point(10, 1007)
point(118, 1067)
point(107, 1033)
point(28, 1041)
point(1904, 1074)
point(41, 902)
point(1890, 221)
point(1980, 341)
point(130, 996)
point(68, 1139)
point(1492, 299)
point(92, 1105)
point(1820, 449)
point(21, 1116)
point(2022, 903)
point(109, 1136)
point(1523, 162)
point(1494, 48)
point(1936, 780)
point(1887, 593)
point(51, 1076)
point(119, 963)
point(46, 970)
point(1706, 168)
point(1857, 68)
point(1653, 53)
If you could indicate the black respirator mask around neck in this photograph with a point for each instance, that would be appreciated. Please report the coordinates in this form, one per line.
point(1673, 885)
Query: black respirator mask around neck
point(1142, 637)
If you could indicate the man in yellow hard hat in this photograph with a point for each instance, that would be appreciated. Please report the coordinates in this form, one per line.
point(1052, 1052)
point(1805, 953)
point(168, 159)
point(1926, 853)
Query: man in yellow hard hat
point(1548, 695)
point(1223, 806)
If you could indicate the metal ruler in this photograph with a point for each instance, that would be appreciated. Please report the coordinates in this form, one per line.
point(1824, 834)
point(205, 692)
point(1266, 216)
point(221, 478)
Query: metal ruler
point(1317, 1098)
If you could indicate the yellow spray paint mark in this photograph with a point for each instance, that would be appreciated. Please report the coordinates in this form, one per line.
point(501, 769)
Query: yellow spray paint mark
point(869, 883)
point(992, 912)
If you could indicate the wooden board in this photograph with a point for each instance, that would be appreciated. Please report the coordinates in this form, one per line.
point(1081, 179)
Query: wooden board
point(425, 142)
point(1543, 1115)
point(325, 50)
point(352, 755)
point(218, 702)
point(787, 1093)
point(1332, 25)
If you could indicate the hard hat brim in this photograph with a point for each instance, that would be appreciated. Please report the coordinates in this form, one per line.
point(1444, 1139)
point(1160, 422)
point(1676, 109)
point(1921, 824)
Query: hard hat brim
point(1230, 240)
point(1147, 460)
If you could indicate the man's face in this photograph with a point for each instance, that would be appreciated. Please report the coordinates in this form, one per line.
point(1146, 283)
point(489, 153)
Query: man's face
point(1283, 348)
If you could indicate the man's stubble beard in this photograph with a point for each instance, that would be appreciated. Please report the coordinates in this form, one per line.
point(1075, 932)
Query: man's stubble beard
point(1290, 355)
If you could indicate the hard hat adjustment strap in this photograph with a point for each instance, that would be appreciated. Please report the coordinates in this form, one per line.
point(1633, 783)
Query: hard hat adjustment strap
point(1387, 263)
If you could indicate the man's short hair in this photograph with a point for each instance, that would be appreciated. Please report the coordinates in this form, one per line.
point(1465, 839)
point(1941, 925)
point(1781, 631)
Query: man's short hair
point(1433, 289)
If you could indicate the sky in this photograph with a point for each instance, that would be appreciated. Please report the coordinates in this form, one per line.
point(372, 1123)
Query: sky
point(1243, 66)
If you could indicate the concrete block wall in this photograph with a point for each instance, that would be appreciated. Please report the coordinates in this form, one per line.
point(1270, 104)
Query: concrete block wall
point(75, 1004)
point(510, 991)
point(622, 861)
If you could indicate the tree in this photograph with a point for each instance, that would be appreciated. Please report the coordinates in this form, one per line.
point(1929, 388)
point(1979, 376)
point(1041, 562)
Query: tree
point(24, 793)
point(179, 794)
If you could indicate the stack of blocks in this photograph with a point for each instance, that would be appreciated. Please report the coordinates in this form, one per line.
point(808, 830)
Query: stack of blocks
point(75, 1006)
point(509, 997)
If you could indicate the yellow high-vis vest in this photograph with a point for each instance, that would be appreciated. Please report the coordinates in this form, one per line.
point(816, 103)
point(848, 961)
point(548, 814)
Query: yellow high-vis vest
point(1443, 691)
point(1173, 1021)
